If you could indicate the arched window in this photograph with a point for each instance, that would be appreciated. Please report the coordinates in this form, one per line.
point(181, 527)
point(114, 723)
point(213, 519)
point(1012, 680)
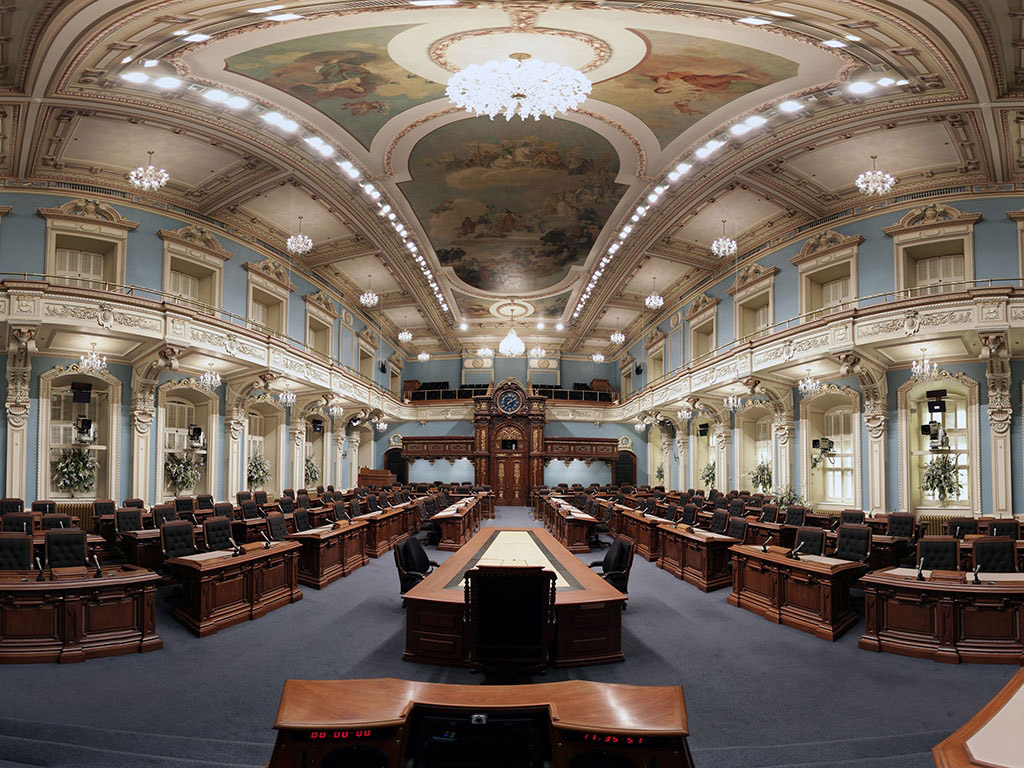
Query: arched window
point(838, 468)
point(955, 423)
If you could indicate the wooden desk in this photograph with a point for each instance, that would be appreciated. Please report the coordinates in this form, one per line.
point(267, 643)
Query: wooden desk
point(588, 609)
point(219, 590)
point(641, 529)
point(387, 527)
point(74, 616)
point(248, 531)
point(329, 553)
point(992, 738)
point(457, 523)
point(570, 526)
point(485, 499)
point(885, 551)
point(811, 594)
point(94, 545)
point(783, 535)
point(643, 724)
point(697, 557)
point(967, 555)
point(944, 621)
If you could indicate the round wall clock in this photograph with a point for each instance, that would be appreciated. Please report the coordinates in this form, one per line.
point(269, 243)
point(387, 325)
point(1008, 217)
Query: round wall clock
point(509, 401)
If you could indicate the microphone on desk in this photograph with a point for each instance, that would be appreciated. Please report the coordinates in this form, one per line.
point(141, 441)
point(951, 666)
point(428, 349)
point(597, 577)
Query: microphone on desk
point(793, 553)
point(347, 514)
point(266, 544)
point(956, 534)
point(195, 520)
point(977, 570)
point(99, 569)
point(920, 570)
point(39, 565)
point(835, 523)
point(764, 544)
point(238, 549)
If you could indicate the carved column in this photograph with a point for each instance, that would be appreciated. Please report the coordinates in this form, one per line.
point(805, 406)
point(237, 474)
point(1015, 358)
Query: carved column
point(297, 440)
point(999, 416)
point(234, 425)
point(337, 460)
point(19, 368)
point(782, 426)
point(723, 444)
point(683, 465)
point(668, 456)
point(141, 413)
point(353, 459)
point(876, 419)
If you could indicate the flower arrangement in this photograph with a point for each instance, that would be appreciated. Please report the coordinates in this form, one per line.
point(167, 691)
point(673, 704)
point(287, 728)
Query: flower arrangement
point(659, 473)
point(707, 475)
point(790, 497)
point(183, 470)
point(76, 470)
point(312, 472)
point(761, 476)
point(941, 475)
point(257, 472)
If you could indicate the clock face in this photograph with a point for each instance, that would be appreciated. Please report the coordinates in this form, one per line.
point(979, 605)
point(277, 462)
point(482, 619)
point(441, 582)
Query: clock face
point(509, 401)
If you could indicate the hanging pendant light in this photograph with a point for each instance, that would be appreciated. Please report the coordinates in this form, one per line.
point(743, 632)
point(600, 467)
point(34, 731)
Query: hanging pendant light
point(423, 357)
point(724, 246)
point(924, 369)
point(368, 298)
point(405, 336)
point(210, 379)
point(148, 177)
point(485, 352)
point(91, 363)
point(512, 345)
point(286, 398)
point(875, 182)
point(732, 402)
point(299, 243)
point(597, 357)
point(654, 301)
point(537, 352)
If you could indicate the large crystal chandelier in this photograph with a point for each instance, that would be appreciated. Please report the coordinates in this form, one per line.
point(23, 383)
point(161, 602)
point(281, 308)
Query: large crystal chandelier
point(299, 243)
point(368, 298)
point(512, 345)
point(519, 85)
point(875, 182)
point(809, 385)
point(210, 379)
point(405, 336)
point(924, 368)
point(485, 352)
point(597, 357)
point(654, 301)
point(92, 363)
point(148, 177)
point(724, 246)
point(617, 337)
point(537, 352)
point(423, 357)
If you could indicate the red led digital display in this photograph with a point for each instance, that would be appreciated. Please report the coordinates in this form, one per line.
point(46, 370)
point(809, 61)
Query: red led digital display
point(339, 735)
point(610, 738)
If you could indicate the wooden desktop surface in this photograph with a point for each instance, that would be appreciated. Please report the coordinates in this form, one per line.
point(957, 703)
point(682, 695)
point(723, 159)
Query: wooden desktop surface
point(993, 738)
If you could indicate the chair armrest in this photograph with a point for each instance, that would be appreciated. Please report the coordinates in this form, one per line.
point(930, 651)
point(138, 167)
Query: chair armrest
point(436, 565)
point(594, 565)
point(421, 574)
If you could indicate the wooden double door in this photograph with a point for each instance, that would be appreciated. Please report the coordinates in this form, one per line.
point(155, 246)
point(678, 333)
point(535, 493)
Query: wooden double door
point(509, 466)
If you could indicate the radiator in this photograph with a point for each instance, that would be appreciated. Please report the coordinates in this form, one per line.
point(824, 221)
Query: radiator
point(80, 509)
point(935, 523)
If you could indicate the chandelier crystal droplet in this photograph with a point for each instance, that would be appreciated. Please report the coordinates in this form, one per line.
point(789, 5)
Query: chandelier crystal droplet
point(485, 352)
point(875, 182)
point(512, 345)
point(519, 85)
point(538, 352)
point(724, 246)
point(149, 177)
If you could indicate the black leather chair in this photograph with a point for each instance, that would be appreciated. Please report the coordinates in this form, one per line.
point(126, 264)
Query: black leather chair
point(300, 519)
point(204, 501)
point(509, 619)
point(45, 506)
point(617, 562)
point(302, 500)
point(165, 513)
point(56, 520)
point(177, 539)
point(813, 540)
point(250, 510)
point(134, 503)
point(851, 517)
point(224, 509)
point(260, 497)
point(216, 533)
point(736, 508)
point(996, 554)
point(1004, 528)
point(689, 514)
point(604, 515)
point(127, 519)
point(65, 548)
point(184, 505)
point(11, 506)
point(277, 527)
point(769, 513)
point(941, 553)
point(737, 528)
point(289, 493)
point(427, 526)
point(353, 508)
point(903, 526)
point(15, 552)
point(719, 521)
point(671, 512)
point(287, 505)
point(371, 503)
point(853, 543)
point(962, 526)
point(103, 507)
point(242, 496)
point(17, 522)
point(795, 516)
point(412, 562)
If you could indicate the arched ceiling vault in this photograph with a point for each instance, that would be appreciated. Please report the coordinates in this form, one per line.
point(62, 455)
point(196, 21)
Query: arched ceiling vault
point(515, 210)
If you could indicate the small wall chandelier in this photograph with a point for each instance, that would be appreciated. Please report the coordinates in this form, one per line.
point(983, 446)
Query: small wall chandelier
point(538, 352)
point(381, 426)
point(210, 379)
point(875, 182)
point(617, 336)
point(485, 352)
point(286, 398)
point(423, 357)
point(732, 402)
point(640, 426)
point(512, 345)
point(299, 243)
point(724, 246)
point(92, 363)
point(368, 298)
point(148, 177)
point(654, 301)
point(519, 85)
point(597, 357)
point(685, 413)
point(336, 410)
point(405, 336)
point(924, 369)
point(808, 384)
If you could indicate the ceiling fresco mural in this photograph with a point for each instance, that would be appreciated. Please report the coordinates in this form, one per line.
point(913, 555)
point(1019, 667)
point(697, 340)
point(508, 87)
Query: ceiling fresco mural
point(511, 207)
point(348, 76)
point(683, 78)
point(547, 307)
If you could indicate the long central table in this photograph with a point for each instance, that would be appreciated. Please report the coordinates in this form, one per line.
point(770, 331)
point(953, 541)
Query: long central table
point(588, 609)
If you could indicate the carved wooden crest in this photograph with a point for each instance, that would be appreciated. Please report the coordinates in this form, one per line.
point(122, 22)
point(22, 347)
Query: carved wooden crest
point(322, 300)
point(824, 243)
point(934, 215)
point(194, 236)
point(750, 275)
point(272, 270)
point(699, 304)
point(83, 208)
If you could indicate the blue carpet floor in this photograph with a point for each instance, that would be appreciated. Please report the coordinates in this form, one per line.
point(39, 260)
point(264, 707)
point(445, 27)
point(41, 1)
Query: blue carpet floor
point(757, 694)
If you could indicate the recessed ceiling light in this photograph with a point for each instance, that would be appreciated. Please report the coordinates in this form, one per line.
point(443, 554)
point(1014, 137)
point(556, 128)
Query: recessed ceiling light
point(560, 327)
point(236, 102)
point(167, 83)
point(754, 20)
point(426, 3)
point(791, 106)
point(284, 17)
point(126, 60)
point(198, 37)
point(854, 38)
point(266, 9)
point(135, 77)
point(860, 87)
point(755, 121)
point(783, 14)
point(708, 148)
point(148, 63)
point(463, 327)
point(885, 82)
point(902, 82)
point(739, 129)
point(833, 43)
point(540, 325)
point(214, 95)
point(181, 33)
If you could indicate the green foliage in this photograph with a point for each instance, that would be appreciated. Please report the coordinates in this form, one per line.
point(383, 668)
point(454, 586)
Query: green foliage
point(76, 470)
point(707, 475)
point(761, 476)
point(941, 475)
point(790, 497)
point(659, 473)
point(183, 470)
point(312, 472)
point(257, 472)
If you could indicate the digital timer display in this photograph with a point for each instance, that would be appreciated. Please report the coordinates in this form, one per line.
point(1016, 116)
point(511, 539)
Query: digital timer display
point(611, 738)
point(339, 735)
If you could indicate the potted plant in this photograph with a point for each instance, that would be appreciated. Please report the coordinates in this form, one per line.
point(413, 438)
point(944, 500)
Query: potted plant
point(312, 472)
point(790, 497)
point(257, 472)
point(761, 476)
point(941, 475)
point(707, 475)
point(659, 473)
point(76, 471)
point(183, 471)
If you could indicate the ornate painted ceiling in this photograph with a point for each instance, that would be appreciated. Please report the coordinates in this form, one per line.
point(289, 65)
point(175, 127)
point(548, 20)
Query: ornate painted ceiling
point(513, 214)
